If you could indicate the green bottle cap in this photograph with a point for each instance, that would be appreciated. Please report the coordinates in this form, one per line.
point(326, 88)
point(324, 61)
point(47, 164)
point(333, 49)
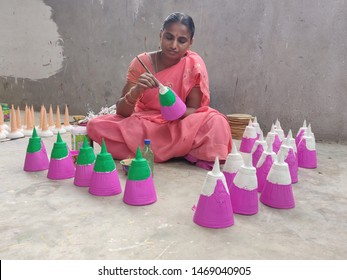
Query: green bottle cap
point(59, 148)
point(104, 161)
point(168, 98)
point(139, 168)
point(34, 143)
point(86, 155)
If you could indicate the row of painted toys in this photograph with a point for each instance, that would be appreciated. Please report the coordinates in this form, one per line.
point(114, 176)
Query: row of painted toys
point(235, 190)
point(98, 173)
point(223, 194)
point(47, 126)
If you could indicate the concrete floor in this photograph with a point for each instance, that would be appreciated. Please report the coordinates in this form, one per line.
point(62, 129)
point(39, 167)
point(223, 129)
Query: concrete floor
point(44, 219)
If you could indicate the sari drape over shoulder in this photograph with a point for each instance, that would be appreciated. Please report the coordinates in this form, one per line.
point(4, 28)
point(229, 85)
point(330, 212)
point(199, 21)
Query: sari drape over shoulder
point(203, 134)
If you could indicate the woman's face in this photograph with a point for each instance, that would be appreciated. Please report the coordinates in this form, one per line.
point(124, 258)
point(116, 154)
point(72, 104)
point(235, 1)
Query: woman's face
point(175, 40)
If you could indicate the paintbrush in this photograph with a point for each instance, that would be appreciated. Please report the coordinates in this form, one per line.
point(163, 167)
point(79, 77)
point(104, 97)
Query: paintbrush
point(147, 70)
point(144, 66)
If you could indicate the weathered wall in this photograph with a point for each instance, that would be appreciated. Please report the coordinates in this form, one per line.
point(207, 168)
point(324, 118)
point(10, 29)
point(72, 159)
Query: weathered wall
point(273, 59)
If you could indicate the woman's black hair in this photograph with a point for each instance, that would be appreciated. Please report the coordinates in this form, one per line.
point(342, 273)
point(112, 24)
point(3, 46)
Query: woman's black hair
point(180, 18)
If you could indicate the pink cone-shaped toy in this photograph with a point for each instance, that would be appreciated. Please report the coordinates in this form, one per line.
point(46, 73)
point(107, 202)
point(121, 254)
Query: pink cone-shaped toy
point(139, 188)
point(300, 133)
point(258, 148)
point(171, 106)
point(84, 165)
point(256, 125)
point(273, 139)
point(307, 154)
point(232, 164)
point(264, 164)
point(245, 195)
point(61, 165)
point(289, 156)
point(278, 192)
point(105, 180)
point(248, 139)
point(36, 158)
point(214, 208)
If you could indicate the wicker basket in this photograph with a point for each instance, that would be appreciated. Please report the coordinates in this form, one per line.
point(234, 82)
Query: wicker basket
point(238, 123)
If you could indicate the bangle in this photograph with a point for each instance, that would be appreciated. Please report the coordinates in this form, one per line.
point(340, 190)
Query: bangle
point(130, 98)
point(127, 101)
point(138, 98)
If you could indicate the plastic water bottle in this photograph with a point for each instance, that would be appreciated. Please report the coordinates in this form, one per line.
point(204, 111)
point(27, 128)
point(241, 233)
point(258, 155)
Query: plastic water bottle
point(147, 153)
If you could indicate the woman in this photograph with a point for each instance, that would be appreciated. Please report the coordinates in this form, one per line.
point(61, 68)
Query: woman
point(199, 135)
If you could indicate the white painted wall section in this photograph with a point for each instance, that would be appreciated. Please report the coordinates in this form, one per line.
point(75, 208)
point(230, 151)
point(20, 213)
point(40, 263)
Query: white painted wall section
point(30, 45)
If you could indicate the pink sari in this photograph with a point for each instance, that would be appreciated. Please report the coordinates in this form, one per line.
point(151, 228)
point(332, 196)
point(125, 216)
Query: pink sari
point(203, 134)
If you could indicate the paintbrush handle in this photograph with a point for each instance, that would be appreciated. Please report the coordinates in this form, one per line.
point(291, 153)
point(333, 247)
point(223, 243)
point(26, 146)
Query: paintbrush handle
point(147, 70)
point(144, 66)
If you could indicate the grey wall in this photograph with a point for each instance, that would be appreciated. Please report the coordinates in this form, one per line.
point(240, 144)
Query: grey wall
point(273, 59)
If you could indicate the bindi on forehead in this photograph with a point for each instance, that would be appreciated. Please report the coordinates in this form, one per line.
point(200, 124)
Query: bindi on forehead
point(178, 30)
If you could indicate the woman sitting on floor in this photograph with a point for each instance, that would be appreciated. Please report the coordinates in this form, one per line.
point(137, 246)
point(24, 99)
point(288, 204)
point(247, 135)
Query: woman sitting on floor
point(199, 135)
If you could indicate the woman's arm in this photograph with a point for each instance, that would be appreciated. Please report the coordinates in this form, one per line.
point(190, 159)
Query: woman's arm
point(132, 92)
point(193, 101)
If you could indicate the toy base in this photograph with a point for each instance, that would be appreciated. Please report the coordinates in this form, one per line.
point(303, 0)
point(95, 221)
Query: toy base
point(140, 192)
point(83, 175)
point(214, 211)
point(5, 127)
point(105, 183)
point(68, 127)
point(15, 135)
point(175, 111)
point(46, 133)
point(277, 196)
point(28, 132)
point(244, 202)
point(247, 144)
point(36, 161)
point(60, 169)
point(60, 130)
point(307, 158)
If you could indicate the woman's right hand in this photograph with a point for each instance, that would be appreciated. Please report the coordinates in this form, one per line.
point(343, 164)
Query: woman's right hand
point(131, 93)
point(145, 81)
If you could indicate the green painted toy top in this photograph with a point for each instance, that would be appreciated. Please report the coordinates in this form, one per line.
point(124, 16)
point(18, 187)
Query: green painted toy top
point(139, 168)
point(59, 148)
point(34, 143)
point(86, 155)
point(104, 161)
point(166, 96)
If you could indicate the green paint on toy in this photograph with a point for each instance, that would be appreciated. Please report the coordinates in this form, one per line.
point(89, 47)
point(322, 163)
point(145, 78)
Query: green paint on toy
point(139, 168)
point(86, 154)
point(34, 143)
point(104, 161)
point(59, 150)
